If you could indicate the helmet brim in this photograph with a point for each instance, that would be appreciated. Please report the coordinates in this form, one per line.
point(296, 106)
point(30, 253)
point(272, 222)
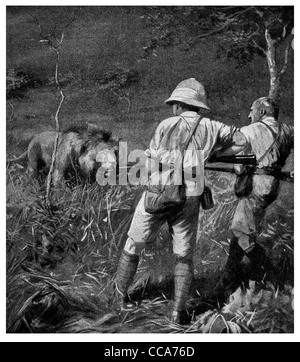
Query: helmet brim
point(191, 102)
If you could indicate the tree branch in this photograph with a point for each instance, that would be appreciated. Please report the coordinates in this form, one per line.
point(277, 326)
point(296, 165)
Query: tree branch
point(259, 47)
point(72, 20)
point(230, 20)
point(286, 60)
point(38, 24)
point(236, 15)
point(12, 111)
point(258, 12)
point(48, 38)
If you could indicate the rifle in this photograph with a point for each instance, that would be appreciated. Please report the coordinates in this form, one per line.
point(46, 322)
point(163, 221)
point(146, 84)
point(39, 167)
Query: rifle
point(219, 161)
point(235, 159)
point(226, 164)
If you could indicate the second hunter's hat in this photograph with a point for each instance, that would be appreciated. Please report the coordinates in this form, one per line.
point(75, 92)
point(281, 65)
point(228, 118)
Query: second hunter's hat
point(191, 92)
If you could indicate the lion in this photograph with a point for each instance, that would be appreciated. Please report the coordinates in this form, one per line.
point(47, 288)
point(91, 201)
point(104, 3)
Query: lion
point(39, 154)
point(81, 150)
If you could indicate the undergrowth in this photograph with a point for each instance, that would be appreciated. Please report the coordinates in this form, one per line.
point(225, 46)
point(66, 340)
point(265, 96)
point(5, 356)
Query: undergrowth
point(61, 265)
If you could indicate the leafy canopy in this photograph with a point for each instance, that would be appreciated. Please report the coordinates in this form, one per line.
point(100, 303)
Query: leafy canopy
point(239, 31)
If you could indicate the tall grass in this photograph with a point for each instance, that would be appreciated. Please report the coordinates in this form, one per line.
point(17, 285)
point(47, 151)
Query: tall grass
point(61, 265)
point(75, 244)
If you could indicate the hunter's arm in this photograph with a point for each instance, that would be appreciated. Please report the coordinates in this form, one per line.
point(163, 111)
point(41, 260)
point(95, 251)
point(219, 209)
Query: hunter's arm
point(238, 144)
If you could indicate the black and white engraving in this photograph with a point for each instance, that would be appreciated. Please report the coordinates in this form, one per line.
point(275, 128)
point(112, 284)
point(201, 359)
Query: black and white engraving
point(150, 169)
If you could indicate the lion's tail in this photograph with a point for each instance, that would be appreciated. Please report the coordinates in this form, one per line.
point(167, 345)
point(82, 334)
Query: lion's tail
point(23, 155)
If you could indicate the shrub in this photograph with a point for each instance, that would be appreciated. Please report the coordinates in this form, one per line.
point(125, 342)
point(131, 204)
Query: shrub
point(18, 82)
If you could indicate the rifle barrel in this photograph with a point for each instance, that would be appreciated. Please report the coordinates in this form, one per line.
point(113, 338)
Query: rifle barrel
point(235, 159)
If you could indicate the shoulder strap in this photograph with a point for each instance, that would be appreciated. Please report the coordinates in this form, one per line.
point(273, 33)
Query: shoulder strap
point(276, 137)
point(192, 132)
point(270, 129)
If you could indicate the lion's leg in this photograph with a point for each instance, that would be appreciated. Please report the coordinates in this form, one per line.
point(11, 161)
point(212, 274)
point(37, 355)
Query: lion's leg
point(34, 159)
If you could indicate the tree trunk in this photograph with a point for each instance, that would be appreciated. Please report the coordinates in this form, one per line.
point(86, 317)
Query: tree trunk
point(275, 73)
point(271, 59)
point(49, 177)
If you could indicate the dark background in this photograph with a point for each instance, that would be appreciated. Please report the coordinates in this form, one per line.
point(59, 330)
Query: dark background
point(102, 51)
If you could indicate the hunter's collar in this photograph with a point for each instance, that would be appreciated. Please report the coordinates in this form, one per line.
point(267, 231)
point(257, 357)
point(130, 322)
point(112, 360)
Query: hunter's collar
point(191, 114)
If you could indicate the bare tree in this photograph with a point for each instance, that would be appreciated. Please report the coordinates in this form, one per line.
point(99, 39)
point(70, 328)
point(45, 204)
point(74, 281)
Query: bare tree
point(54, 43)
point(275, 71)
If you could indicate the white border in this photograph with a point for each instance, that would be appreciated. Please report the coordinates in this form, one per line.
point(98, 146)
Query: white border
point(111, 338)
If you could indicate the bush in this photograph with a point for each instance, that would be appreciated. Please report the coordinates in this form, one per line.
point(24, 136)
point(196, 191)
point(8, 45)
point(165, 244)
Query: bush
point(18, 82)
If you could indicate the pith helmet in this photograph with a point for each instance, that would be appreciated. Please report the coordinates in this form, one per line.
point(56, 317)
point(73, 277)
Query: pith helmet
point(191, 92)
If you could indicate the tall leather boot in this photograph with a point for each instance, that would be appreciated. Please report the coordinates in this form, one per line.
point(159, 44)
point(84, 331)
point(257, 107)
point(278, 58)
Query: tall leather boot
point(127, 267)
point(260, 266)
point(183, 274)
point(233, 274)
